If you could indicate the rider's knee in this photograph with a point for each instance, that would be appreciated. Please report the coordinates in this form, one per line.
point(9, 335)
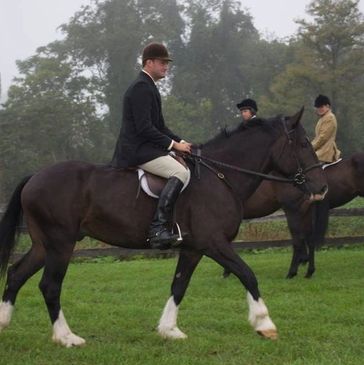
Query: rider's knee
point(181, 174)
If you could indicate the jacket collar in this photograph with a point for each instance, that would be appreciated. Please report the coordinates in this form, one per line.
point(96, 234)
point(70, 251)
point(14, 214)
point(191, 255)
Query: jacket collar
point(145, 76)
point(327, 114)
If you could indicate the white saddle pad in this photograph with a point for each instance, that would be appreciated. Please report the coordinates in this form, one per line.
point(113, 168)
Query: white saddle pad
point(330, 164)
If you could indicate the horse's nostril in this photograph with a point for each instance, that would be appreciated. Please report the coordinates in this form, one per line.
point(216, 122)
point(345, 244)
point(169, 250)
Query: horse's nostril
point(324, 189)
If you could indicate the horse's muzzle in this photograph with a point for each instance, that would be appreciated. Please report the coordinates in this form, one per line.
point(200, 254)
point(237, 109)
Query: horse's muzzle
point(319, 196)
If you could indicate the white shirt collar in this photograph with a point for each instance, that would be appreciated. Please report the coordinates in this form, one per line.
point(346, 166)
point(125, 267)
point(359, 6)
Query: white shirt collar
point(149, 75)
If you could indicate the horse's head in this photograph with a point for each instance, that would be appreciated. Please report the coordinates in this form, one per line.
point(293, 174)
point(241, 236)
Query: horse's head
point(294, 156)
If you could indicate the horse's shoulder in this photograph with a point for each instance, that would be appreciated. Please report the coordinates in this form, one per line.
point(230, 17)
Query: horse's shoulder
point(358, 160)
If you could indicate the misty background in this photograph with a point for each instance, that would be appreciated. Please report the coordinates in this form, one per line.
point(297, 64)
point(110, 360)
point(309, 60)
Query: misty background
point(75, 59)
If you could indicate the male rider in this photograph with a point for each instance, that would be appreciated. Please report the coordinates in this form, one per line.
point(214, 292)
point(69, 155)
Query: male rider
point(145, 141)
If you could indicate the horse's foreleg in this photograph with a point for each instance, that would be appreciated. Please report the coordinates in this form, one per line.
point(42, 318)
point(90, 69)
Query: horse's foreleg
point(299, 256)
point(298, 222)
point(55, 269)
point(187, 262)
point(312, 235)
point(226, 273)
point(258, 312)
point(17, 275)
point(311, 257)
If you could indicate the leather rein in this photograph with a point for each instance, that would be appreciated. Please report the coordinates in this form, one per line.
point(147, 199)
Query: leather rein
point(299, 177)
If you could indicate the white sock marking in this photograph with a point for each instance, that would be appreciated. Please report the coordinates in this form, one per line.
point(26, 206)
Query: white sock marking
point(6, 310)
point(258, 315)
point(63, 335)
point(167, 327)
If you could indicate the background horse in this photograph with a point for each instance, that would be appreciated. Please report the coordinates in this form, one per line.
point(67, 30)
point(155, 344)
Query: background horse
point(346, 182)
point(300, 210)
point(67, 201)
point(307, 222)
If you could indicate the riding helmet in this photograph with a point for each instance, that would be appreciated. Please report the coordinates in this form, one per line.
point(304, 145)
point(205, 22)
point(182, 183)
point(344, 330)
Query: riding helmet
point(155, 50)
point(248, 104)
point(322, 100)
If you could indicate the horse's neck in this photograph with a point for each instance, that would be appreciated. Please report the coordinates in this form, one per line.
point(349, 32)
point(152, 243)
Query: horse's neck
point(244, 154)
point(248, 149)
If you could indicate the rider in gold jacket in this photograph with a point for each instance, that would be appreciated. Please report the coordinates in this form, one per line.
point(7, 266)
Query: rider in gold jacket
point(324, 142)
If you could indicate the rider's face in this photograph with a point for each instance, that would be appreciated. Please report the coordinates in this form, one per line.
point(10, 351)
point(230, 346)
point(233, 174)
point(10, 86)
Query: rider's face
point(246, 114)
point(157, 68)
point(323, 109)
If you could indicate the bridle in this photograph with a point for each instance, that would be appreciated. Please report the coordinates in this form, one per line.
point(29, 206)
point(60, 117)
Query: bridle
point(299, 178)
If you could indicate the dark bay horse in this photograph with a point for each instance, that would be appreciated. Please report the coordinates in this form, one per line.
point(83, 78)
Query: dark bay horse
point(69, 200)
point(308, 222)
point(305, 219)
point(346, 182)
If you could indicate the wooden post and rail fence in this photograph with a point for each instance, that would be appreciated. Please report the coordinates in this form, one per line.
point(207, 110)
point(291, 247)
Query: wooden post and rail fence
point(125, 253)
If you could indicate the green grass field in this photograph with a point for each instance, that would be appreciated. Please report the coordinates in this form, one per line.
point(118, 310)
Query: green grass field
point(116, 305)
point(355, 203)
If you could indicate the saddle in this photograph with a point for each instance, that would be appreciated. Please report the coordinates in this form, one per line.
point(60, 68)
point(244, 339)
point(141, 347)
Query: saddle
point(152, 184)
point(326, 165)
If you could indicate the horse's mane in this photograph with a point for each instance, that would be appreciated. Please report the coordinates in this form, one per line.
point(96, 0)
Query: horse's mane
point(266, 125)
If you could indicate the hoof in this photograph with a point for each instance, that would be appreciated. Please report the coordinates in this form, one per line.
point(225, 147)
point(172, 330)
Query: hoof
point(172, 333)
point(291, 275)
point(69, 340)
point(309, 273)
point(269, 334)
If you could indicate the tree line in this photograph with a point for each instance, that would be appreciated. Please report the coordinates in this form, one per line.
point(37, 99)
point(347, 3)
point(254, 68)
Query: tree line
point(67, 101)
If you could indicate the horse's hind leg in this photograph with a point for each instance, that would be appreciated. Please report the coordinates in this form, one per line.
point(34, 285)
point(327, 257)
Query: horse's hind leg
point(258, 312)
point(17, 275)
point(56, 264)
point(187, 262)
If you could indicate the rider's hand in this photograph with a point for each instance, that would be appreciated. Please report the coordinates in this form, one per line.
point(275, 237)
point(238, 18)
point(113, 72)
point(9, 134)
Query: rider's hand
point(184, 147)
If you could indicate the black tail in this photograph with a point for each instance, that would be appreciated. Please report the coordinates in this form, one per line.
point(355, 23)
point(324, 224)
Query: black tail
point(320, 222)
point(8, 226)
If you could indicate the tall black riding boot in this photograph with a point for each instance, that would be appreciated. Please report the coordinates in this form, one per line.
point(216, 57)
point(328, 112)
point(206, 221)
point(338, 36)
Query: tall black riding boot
point(160, 234)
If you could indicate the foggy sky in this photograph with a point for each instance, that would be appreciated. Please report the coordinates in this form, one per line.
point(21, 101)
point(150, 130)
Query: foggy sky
point(28, 24)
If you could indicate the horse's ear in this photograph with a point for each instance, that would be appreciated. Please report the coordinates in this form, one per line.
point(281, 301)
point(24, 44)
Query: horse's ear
point(294, 120)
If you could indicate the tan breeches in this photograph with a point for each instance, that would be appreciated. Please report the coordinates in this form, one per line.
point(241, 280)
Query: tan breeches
point(167, 167)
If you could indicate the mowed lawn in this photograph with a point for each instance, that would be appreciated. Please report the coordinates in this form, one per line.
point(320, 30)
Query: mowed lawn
point(116, 305)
